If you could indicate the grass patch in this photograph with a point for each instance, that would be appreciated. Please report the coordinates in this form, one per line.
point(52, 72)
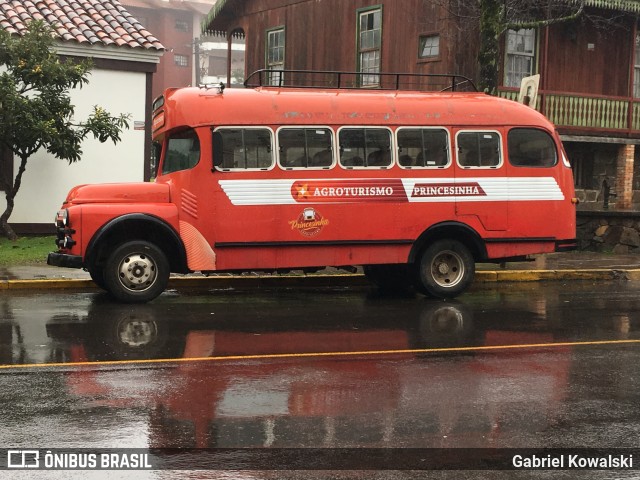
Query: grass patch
point(26, 250)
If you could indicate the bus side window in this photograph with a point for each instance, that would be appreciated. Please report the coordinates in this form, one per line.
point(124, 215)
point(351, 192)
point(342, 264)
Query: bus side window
point(478, 149)
point(529, 147)
point(423, 147)
point(242, 149)
point(183, 152)
point(305, 147)
point(365, 147)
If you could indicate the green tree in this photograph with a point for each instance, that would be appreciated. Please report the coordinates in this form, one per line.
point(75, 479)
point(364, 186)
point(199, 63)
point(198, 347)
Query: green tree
point(490, 20)
point(498, 16)
point(35, 106)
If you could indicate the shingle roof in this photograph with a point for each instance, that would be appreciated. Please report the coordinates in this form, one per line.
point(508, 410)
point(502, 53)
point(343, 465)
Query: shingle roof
point(104, 22)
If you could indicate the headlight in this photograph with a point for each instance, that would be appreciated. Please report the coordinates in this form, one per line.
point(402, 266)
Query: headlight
point(62, 218)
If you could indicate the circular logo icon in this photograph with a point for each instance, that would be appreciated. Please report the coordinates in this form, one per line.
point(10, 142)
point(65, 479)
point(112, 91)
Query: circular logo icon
point(309, 223)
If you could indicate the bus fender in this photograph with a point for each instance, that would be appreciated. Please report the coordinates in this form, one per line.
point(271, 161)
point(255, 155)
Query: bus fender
point(200, 255)
point(138, 226)
point(450, 230)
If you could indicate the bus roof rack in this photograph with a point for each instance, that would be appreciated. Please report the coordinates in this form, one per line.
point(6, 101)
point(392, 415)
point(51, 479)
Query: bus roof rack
point(439, 82)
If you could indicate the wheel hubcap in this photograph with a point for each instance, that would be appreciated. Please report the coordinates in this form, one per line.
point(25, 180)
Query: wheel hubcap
point(443, 268)
point(447, 268)
point(137, 271)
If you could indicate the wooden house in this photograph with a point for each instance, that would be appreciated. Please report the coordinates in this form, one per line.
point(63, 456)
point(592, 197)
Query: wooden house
point(589, 67)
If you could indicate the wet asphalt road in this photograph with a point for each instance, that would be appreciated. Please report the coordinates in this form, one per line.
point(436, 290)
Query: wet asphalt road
point(525, 366)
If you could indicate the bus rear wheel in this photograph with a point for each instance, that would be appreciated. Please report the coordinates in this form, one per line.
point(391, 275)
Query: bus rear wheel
point(446, 269)
point(136, 272)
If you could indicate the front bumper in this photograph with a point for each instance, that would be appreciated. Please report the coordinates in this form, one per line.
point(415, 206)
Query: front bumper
point(64, 260)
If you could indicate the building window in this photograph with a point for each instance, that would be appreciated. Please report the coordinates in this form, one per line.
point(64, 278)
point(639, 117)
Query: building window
point(429, 47)
point(520, 61)
point(369, 46)
point(636, 69)
point(181, 60)
point(182, 26)
point(275, 55)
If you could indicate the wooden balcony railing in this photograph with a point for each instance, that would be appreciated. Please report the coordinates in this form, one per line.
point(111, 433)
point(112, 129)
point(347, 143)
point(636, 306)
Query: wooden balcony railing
point(587, 113)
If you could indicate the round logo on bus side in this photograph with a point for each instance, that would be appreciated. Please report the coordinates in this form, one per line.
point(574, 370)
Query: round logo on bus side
point(309, 223)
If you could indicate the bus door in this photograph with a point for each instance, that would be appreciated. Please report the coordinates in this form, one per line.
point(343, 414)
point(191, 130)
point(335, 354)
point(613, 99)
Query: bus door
point(533, 166)
point(481, 181)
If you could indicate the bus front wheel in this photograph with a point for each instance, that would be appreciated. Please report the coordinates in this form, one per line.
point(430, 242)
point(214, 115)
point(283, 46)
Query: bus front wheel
point(97, 275)
point(136, 272)
point(446, 269)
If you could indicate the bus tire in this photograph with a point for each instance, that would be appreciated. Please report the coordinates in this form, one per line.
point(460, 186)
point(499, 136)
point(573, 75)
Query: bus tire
point(136, 272)
point(446, 269)
point(394, 278)
point(97, 275)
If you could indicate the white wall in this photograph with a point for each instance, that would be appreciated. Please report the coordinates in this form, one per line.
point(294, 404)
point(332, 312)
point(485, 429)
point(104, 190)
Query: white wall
point(47, 179)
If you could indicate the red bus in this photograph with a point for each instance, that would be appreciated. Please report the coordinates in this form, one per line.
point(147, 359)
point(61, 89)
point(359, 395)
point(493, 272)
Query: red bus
point(416, 187)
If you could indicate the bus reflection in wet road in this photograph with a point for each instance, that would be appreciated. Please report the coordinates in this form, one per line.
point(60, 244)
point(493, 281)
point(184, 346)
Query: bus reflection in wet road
point(324, 369)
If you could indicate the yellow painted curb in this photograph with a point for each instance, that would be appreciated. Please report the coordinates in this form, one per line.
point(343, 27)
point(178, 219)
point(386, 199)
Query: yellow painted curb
point(337, 280)
point(551, 275)
point(523, 275)
point(49, 283)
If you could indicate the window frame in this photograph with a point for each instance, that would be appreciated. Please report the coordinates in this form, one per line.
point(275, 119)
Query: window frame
point(430, 58)
point(424, 167)
point(166, 150)
point(181, 25)
point(271, 79)
point(334, 159)
point(509, 54)
point(392, 147)
point(360, 51)
point(274, 159)
point(181, 56)
point(480, 167)
point(550, 137)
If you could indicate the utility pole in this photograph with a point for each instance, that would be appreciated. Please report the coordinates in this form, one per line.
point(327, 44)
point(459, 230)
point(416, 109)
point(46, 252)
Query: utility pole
point(196, 63)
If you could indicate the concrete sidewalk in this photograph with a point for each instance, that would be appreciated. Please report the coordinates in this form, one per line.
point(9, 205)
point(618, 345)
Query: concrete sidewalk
point(557, 266)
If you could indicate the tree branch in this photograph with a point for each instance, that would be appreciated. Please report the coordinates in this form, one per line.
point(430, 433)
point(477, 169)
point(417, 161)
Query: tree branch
point(544, 23)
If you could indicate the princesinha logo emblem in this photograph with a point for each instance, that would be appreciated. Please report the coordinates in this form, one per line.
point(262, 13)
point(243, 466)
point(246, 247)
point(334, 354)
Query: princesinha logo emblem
point(309, 223)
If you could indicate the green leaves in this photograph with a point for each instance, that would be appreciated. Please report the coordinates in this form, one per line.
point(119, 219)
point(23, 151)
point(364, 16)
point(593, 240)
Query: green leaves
point(35, 105)
point(105, 127)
